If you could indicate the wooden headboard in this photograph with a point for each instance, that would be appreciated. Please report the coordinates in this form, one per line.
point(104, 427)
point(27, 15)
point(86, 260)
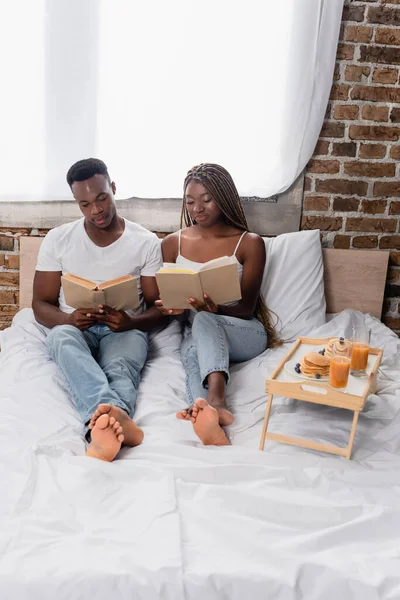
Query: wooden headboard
point(353, 278)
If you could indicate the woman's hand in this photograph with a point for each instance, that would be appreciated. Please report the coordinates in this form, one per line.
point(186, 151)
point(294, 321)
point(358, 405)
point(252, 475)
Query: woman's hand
point(168, 312)
point(206, 306)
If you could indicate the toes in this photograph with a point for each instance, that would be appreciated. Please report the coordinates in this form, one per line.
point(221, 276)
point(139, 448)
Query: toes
point(181, 414)
point(102, 422)
point(119, 430)
point(120, 438)
point(112, 421)
point(200, 403)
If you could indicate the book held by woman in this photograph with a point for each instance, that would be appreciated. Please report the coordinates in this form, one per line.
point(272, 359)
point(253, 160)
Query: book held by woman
point(219, 278)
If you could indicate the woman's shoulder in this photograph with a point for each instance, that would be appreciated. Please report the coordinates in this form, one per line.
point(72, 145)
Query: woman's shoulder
point(252, 240)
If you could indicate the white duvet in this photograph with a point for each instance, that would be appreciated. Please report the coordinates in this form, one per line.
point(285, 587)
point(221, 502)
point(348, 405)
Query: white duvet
point(174, 520)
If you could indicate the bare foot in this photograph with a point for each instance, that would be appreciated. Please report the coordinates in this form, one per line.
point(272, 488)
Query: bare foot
point(225, 417)
point(107, 438)
point(132, 433)
point(206, 424)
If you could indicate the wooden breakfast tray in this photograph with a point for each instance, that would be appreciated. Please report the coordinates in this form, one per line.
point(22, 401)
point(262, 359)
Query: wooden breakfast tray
point(353, 397)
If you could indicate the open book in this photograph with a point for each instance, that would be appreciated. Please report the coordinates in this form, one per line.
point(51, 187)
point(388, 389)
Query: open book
point(121, 293)
point(219, 278)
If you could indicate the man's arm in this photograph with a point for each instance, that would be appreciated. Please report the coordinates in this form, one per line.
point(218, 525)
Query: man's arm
point(46, 289)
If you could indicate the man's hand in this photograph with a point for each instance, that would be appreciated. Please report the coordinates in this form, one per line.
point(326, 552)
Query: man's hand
point(168, 312)
point(116, 320)
point(81, 319)
point(207, 305)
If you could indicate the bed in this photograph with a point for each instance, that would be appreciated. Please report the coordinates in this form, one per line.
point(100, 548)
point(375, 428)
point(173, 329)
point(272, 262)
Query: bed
point(174, 520)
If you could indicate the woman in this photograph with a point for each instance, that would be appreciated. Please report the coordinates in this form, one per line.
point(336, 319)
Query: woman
point(217, 335)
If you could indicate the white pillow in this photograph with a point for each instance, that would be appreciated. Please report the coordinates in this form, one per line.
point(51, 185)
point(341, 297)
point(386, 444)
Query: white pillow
point(293, 283)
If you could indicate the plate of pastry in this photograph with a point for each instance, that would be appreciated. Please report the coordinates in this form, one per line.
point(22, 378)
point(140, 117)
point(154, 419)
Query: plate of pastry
point(313, 365)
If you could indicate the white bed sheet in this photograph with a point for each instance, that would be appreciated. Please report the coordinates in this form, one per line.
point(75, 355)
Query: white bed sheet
point(172, 519)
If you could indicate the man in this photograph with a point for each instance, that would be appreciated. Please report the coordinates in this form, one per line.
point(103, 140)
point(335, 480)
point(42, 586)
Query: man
point(101, 351)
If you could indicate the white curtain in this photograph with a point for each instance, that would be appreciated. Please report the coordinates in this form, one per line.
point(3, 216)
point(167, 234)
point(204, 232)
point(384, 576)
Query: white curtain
point(155, 87)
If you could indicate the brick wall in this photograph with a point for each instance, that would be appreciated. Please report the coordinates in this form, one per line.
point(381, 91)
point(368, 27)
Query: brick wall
point(352, 184)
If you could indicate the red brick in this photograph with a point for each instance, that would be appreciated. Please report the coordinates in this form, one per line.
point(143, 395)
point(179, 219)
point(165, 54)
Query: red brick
point(307, 184)
point(323, 223)
point(8, 278)
point(339, 91)
point(365, 241)
point(6, 243)
point(345, 204)
point(392, 322)
point(346, 112)
point(380, 54)
point(387, 242)
point(375, 113)
point(342, 241)
point(332, 129)
point(394, 259)
point(341, 186)
point(375, 94)
point(345, 52)
point(395, 152)
point(372, 150)
point(369, 224)
point(385, 189)
point(388, 36)
point(395, 115)
point(382, 75)
point(8, 310)
point(353, 13)
point(373, 207)
point(328, 112)
point(12, 261)
point(316, 203)
point(321, 148)
point(374, 132)
point(8, 297)
point(344, 149)
point(370, 169)
point(356, 72)
point(2, 259)
point(358, 33)
point(336, 72)
point(316, 165)
point(394, 208)
point(393, 275)
point(383, 15)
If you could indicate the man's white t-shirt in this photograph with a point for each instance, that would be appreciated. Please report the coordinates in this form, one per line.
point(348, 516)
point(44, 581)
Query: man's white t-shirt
point(69, 249)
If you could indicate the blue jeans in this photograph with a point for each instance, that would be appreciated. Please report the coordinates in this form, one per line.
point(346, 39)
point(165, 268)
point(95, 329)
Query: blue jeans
point(99, 366)
point(213, 342)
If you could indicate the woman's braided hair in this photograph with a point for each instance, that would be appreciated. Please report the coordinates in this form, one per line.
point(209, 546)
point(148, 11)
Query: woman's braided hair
point(221, 187)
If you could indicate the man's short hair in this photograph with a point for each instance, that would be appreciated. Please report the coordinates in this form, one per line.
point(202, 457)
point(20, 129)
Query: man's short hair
point(85, 169)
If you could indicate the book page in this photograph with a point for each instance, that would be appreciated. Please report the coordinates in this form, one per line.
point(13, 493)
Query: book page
point(123, 295)
point(79, 296)
point(174, 268)
point(90, 285)
point(176, 288)
point(218, 262)
point(222, 284)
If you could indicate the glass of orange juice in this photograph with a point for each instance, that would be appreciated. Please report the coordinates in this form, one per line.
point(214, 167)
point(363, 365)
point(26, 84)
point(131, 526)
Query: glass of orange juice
point(359, 357)
point(340, 364)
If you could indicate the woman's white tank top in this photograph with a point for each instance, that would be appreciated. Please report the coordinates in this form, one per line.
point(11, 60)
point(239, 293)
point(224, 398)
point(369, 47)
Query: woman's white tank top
point(190, 264)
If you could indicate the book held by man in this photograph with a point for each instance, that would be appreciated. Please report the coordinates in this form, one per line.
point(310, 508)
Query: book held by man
point(120, 293)
point(219, 278)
